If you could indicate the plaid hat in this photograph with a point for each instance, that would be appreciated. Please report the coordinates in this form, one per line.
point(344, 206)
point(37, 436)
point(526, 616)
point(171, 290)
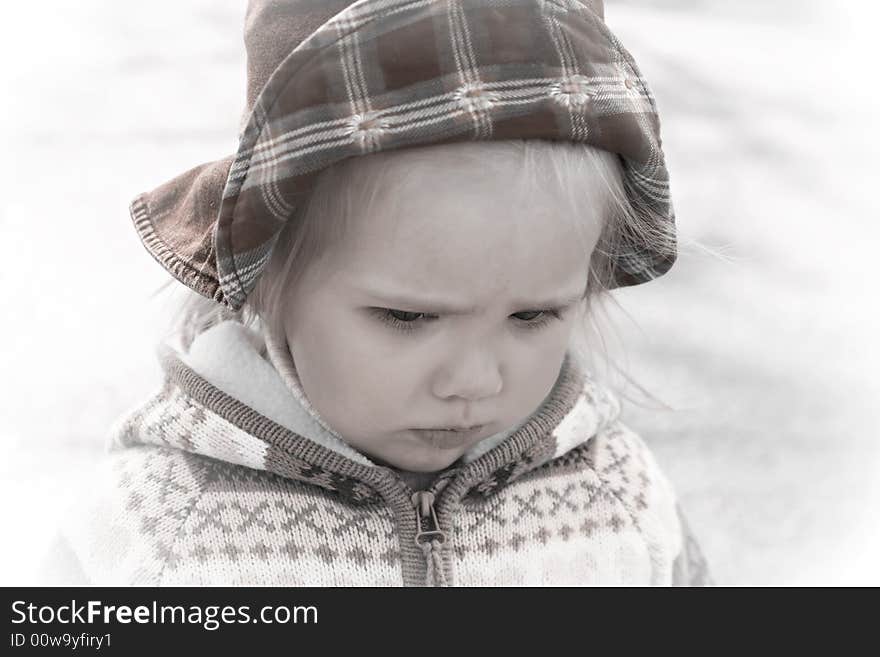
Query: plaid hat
point(332, 79)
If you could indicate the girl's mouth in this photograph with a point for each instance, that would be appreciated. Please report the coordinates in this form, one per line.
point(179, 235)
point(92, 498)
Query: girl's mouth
point(448, 438)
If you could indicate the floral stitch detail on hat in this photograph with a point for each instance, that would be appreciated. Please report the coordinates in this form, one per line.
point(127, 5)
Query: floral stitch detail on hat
point(474, 97)
point(367, 130)
point(573, 92)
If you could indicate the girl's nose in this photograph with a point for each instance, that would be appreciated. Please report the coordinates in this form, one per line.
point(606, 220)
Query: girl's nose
point(471, 375)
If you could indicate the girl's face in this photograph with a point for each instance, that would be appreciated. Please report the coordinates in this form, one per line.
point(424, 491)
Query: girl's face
point(450, 308)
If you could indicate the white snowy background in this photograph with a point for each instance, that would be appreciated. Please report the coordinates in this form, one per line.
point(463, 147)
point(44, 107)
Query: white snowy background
point(768, 355)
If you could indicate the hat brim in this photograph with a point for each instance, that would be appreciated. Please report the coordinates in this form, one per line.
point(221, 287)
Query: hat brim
point(176, 223)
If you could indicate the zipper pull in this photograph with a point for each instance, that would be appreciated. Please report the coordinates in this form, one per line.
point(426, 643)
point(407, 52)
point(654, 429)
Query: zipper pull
point(430, 541)
point(423, 502)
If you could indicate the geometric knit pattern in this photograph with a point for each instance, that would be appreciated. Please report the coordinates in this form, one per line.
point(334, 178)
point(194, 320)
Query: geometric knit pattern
point(601, 518)
point(182, 519)
point(591, 518)
point(174, 419)
point(253, 528)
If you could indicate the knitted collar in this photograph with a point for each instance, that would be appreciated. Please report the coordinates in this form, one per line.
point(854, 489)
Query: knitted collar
point(249, 409)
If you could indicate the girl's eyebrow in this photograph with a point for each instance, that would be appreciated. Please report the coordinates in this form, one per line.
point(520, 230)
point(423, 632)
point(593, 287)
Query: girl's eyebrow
point(403, 301)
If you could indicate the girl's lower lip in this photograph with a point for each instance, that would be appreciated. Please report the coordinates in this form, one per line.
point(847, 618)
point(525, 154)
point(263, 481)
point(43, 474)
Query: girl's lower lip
point(445, 439)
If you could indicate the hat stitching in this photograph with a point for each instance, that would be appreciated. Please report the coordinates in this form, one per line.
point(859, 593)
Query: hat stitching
point(159, 249)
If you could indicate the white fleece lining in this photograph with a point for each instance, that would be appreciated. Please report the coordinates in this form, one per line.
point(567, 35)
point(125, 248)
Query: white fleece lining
point(227, 356)
point(282, 360)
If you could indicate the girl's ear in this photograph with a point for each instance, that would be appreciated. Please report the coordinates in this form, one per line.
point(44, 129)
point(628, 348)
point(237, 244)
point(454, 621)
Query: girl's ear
point(583, 307)
point(579, 309)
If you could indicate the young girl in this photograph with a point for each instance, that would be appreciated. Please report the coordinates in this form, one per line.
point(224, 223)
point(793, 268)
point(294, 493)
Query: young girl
point(388, 383)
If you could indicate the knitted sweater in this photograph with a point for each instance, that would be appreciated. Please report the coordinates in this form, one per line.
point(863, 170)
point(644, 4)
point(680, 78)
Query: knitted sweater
point(224, 477)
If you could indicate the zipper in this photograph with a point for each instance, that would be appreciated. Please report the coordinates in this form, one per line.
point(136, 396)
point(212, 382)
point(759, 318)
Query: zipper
point(430, 538)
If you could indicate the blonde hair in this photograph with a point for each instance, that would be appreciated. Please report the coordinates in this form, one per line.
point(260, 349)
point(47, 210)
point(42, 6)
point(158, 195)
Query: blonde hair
point(590, 183)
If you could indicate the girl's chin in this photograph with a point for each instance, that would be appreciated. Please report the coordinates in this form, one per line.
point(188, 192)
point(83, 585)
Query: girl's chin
point(420, 458)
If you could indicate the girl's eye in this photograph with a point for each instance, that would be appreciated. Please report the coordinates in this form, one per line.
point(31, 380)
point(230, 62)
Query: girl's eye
point(401, 320)
point(404, 320)
point(536, 319)
point(404, 315)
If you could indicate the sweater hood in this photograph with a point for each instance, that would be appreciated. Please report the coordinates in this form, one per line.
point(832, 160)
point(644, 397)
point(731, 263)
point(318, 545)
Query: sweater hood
point(247, 408)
